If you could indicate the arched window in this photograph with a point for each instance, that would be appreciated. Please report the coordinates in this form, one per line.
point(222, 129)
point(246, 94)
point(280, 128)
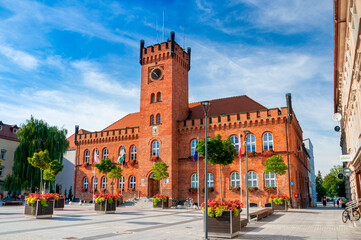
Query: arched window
point(252, 179)
point(105, 153)
point(235, 180)
point(251, 143)
point(121, 183)
point(132, 182)
point(194, 181)
point(95, 183)
point(152, 120)
point(85, 183)
point(267, 141)
point(96, 153)
point(155, 148)
point(210, 180)
point(86, 156)
point(152, 98)
point(158, 119)
point(235, 142)
point(193, 147)
point(159, 97)
point(104, 182)
point(270, 180)
point(133, 153)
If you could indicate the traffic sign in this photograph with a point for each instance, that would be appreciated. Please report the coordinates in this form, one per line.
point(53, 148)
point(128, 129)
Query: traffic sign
point(340, 175)
point(347, 172)
point(291, 183)
point(297, 195)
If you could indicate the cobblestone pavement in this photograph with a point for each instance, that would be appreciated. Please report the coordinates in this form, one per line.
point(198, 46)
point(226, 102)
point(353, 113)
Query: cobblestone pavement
point(81, 222)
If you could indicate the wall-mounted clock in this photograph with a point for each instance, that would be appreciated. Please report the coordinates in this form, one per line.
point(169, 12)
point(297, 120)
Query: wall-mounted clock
point(155, 73)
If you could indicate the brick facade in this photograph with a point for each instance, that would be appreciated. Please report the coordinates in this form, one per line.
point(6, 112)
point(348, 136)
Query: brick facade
point(181, 123)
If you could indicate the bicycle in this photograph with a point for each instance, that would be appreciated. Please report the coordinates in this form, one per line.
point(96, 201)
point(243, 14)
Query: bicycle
point(346, 214)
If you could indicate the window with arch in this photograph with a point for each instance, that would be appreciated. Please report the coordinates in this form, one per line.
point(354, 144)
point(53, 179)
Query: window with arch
point(158, 119)
point(105, 153)
point(121, 183)
point(251, 143)
point(152, 120)
point(155, 148)
point(235, 179)
point(267, 141)
point(159, 97)
point(86, 156)
point(132, 182)
point(104, 182)
point(252, 179)
point(270, 179)
point(85, 183)
point(194, 181)
point(152, 98)
point(95, 183)
point(193, 147)
point(96, 153)
point(235, 142)
point(133, 153)
point(210, 180)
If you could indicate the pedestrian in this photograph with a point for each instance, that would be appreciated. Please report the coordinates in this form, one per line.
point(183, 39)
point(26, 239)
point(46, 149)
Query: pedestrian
point(334, 203)
point(324, 201)
point(338, 203)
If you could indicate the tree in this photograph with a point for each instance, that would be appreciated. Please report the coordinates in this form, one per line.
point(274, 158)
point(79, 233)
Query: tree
point(335, 171)
point(276, 165)
point(34, 136)
point(219, 151)
point(54, 168)
point(160, 170)
point(41, 160)
point(115, 173)
point(105, 166)
point(330, 184)
point(320, 190)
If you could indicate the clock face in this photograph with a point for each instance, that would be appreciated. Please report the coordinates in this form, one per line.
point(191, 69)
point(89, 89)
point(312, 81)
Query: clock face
point(156, 74)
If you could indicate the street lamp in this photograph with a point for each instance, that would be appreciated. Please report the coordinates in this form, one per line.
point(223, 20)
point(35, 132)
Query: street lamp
point(205, 105)
point(247, 200)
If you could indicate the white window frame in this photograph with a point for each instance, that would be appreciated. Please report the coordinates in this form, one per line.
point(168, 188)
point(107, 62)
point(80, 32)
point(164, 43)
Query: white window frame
point(210, 180)
point(132, 182)
point(251, 143)
point(193, 147)
point(85, 183)
point(252, 179)
point(2, 154)
point(2, 171)
point(268, 141)
point(133, 153)
point(155, 148)
point(235, 142)
point(95, 183)
point(235, 179)
point(105, 153)
point(270, 179)
point(194, 180)
point(97, 153)
point(104, 182)
point(86, 156)
point(121, 182)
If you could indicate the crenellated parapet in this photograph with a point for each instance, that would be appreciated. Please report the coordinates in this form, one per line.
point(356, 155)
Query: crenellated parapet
point(236, 120)
point(116, 135)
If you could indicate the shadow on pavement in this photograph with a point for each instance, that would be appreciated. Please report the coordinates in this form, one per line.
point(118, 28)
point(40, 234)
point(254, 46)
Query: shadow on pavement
point(145, 223)
point(268, 236)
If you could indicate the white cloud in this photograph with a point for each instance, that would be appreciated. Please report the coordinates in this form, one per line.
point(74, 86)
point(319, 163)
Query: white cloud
point(23, 59)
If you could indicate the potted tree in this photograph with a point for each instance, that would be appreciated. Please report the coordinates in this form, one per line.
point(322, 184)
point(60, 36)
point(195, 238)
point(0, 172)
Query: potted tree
point(279, 202)
point(54, 167)
point(115, 174)
point(160, 170)
point(220, 152)
point(276, 165)
point(105, 203)
point(39, 206)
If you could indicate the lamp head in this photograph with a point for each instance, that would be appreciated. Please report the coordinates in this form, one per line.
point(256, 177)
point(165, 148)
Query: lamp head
point(246, 132)
point(206, 105)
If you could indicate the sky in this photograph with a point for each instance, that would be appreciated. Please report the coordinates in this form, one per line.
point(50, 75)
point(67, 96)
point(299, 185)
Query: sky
point(76, 62)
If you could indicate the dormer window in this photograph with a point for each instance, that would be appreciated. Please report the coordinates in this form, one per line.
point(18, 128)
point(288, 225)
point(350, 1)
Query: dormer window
point(15, 130)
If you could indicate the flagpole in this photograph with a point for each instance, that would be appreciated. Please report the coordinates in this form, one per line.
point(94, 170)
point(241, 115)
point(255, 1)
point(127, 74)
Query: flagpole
point(240, 162)
point(198, 176)
point(121, 187)
point(93, 183)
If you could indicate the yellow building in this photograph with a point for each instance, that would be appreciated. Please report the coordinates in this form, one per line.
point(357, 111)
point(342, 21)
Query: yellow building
point(8, 144)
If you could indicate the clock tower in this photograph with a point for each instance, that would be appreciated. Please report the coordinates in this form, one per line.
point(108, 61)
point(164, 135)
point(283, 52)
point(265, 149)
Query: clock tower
point(163, 101)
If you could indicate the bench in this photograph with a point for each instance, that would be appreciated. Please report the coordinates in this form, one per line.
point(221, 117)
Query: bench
point(261, 214)
point(13, 203)
point(244, 222)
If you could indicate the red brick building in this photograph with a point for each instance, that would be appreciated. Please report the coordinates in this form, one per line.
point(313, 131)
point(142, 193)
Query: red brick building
point(167, 126)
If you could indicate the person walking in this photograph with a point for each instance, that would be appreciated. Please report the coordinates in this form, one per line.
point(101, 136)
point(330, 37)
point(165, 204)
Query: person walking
point(334, 202)
point(324, 201)
point(338, 203)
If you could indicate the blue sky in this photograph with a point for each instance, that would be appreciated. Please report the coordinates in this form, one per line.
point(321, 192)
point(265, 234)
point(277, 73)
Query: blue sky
point(76, 62)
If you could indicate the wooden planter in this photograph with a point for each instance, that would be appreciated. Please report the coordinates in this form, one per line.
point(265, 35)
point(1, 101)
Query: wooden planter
point(37, 210)
point(105, 207)
point(226, 226)
point(282, 207)
point(59, 204)
point(120, 202)
point(161, 204)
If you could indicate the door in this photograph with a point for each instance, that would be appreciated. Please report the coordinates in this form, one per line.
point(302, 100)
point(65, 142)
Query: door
point(153, 187)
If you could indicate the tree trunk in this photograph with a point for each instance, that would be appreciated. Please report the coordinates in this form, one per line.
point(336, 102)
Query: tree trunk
point(220, 180)
point(277, 184)
point(160, 186)
point(41, 181)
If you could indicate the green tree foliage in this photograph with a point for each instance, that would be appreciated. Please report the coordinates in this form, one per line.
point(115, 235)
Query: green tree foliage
point(105, 166)
point(330, 184)
point(275, 164)
point(40, 160)
point(115, 173)
point(219, 151)
point(160, 170)
point(320, 190)
point(53, 169)
point(34, 136)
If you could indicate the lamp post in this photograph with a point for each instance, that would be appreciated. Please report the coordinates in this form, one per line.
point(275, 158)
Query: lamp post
point(205, 105)
point(247, 198)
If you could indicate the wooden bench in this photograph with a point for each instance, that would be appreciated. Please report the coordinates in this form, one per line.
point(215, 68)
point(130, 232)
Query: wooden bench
point(12, 203)
point(261, 214)
point(244, 222)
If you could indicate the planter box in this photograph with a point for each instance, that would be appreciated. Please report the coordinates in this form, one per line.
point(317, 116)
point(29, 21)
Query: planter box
point(277, 207)
point(105, 207)
point(59, 205)
point(120, 202)
point(161, 204)
point(38, 211)
point(226, 226)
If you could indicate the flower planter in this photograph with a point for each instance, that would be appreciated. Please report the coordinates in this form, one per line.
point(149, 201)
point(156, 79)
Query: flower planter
point(59, 204)
point(105, 207)
point(277, 207)
point(37, 210)
point(161, 204)
point(120, 202)
point(226, 226)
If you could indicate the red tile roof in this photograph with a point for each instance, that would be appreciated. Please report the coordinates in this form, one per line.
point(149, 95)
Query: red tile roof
point(131, 120)
point(225, 106)
point(7, 132)
point(71, 138)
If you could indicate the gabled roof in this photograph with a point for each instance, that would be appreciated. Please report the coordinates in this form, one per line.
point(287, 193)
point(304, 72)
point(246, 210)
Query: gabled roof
point(7, 132)
point(225, 106)
point(130, 120)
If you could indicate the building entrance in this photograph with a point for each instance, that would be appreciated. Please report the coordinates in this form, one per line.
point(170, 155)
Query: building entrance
point(153, 186)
